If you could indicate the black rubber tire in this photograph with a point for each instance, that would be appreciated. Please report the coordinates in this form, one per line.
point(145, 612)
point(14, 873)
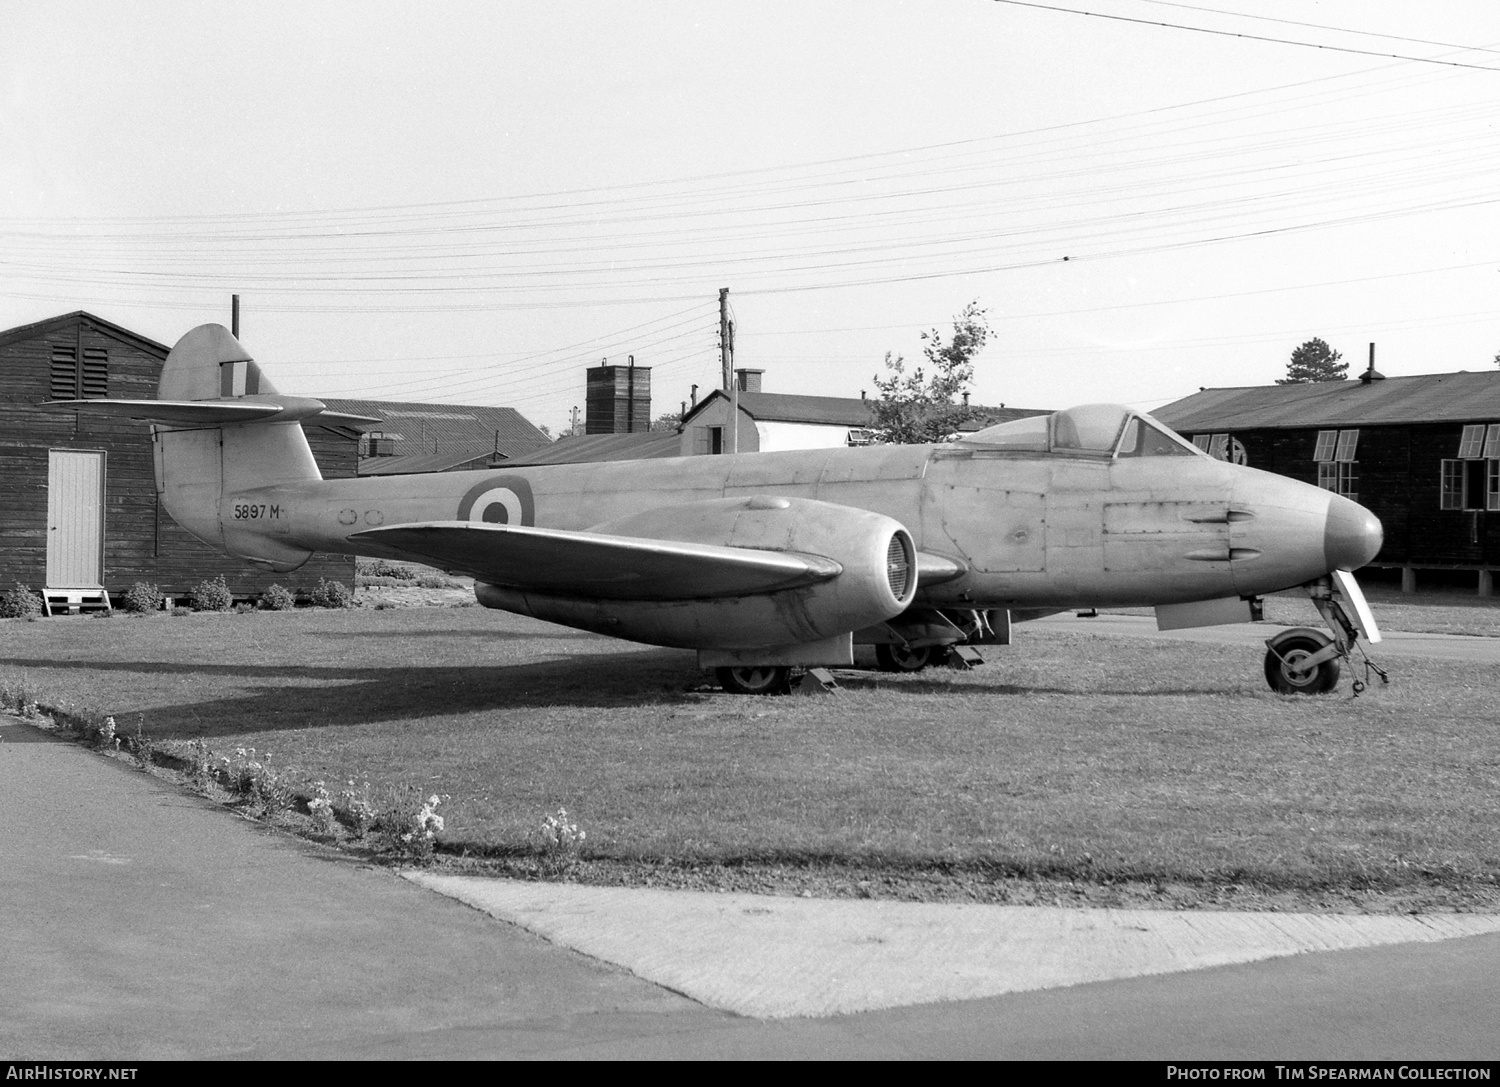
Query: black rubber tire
point(766, 679)
point(1322, 679)
point(905, 658)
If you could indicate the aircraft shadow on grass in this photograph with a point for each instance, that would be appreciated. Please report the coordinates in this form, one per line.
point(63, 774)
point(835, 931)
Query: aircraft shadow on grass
point(339, 696)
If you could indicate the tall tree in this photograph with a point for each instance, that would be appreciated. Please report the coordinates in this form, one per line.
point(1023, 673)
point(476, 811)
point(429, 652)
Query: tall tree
point(920, 406)
point(1314, 361)
point(671, 420)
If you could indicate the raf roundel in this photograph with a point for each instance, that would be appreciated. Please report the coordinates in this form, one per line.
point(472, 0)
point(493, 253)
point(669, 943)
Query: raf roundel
point(499, 500)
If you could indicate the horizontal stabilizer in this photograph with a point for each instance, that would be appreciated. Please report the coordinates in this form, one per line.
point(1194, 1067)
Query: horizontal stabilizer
point(224, 412)
point(591, 564)
point(343, 418)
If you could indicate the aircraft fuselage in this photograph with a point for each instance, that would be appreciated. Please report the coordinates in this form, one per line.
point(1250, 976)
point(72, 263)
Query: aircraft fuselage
point(1047, 530)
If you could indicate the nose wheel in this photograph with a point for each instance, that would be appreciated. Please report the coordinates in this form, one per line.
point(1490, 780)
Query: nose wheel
point(1307, 661)
point(1296, 663)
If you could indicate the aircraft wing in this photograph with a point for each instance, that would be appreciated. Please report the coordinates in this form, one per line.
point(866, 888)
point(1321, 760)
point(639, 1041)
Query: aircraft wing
point(597, 565)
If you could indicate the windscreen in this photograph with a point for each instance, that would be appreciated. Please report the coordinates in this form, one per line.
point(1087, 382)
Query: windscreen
point(1091, 430)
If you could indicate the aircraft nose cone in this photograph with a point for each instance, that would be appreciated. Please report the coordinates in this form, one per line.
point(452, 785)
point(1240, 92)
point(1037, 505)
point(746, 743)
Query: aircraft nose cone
point(1351, 536)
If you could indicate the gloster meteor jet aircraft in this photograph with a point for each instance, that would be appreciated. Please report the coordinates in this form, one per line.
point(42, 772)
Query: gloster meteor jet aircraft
point(766, 562)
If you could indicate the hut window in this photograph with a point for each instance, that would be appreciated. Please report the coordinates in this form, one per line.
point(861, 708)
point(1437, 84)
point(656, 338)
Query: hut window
point(1472, 480)
point(1492, 442)
point(1453, 485)
point(1339, 477)
point(1336, 468)
point(1222, 447)
point(1471, 445)
point(1470, 485)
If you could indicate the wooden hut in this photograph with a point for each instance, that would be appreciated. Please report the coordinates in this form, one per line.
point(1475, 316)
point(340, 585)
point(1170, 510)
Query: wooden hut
point(80, 518)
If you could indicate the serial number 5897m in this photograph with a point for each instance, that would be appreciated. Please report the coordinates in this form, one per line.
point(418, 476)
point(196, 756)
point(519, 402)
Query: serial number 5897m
point(253, 511)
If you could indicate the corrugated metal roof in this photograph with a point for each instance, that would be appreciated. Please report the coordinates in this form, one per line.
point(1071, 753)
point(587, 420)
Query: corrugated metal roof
point(988, 417)
point(433, 462)
point(1430, 398)
point(837, 410)
point(794, 408)
point(428, 429)
point(586, 448)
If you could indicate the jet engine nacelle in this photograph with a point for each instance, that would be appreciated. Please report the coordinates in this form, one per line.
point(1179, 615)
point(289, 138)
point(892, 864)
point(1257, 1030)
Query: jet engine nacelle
point(875, 577)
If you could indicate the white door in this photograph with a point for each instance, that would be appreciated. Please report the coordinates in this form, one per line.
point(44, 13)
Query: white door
point(75, 519)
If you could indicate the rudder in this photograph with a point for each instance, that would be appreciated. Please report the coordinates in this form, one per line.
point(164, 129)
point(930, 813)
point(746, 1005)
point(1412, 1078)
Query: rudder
point(199, 465)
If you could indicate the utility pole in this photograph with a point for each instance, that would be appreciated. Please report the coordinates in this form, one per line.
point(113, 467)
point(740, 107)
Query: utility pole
point(726, 357)
point(731, 386)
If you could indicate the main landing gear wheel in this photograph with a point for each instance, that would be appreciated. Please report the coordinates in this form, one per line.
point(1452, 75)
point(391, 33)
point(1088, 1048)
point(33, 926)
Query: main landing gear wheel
point(766, 679)
point(1284, 666)
point(906, 658)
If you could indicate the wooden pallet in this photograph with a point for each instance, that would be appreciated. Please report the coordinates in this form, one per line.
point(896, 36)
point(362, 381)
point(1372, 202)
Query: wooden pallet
point(75, 601)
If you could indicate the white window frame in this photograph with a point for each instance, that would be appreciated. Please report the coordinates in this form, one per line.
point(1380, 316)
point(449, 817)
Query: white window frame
point(1471, 444)
point(1335, 454)
point(1451, 492)
point(1492, 442)
point(1339, 477)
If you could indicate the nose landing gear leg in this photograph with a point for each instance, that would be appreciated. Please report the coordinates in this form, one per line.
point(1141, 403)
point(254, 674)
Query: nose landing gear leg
point(1306, 661)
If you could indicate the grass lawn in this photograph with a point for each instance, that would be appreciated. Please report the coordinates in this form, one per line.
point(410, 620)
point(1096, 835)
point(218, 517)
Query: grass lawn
point(1071, 765)
point(1424, 613)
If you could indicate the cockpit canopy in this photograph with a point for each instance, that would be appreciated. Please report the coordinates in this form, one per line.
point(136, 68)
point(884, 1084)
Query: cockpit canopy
point(1090, 430)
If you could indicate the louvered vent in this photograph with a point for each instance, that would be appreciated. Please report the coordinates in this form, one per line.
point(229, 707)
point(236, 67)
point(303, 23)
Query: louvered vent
point(95, 373)
point(898, 566)
point(64, 384)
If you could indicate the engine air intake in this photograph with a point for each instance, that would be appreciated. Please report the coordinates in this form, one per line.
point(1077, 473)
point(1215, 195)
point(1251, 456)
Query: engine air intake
point(898, 566)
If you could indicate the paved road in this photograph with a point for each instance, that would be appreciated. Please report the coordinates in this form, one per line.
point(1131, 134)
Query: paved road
point(139, 922)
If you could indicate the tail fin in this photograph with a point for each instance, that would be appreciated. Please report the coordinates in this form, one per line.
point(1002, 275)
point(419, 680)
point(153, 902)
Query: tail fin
point(209, 362)
point(201, 463)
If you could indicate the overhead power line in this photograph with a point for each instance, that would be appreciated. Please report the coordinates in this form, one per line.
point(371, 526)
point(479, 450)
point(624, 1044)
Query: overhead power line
point(1253, 37)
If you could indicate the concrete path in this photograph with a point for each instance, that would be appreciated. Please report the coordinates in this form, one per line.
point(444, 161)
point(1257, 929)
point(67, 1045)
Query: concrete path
point(139, 922)
point(773, 957)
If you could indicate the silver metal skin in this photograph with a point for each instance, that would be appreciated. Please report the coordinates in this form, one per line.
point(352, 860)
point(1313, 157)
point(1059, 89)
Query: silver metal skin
point(757, 554)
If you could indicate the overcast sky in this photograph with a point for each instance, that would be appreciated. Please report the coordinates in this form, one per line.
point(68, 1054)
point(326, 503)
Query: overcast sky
point(473, 202)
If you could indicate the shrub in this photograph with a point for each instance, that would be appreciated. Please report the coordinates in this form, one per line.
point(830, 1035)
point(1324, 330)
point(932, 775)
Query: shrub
point(354, 808)
point(561, 841)
point(331, 594)
point(409, 822)
point(383, 568)
point(213, 595)
point(278, 598)
point(19, 602)
point(320, 806)
point(141, 597)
